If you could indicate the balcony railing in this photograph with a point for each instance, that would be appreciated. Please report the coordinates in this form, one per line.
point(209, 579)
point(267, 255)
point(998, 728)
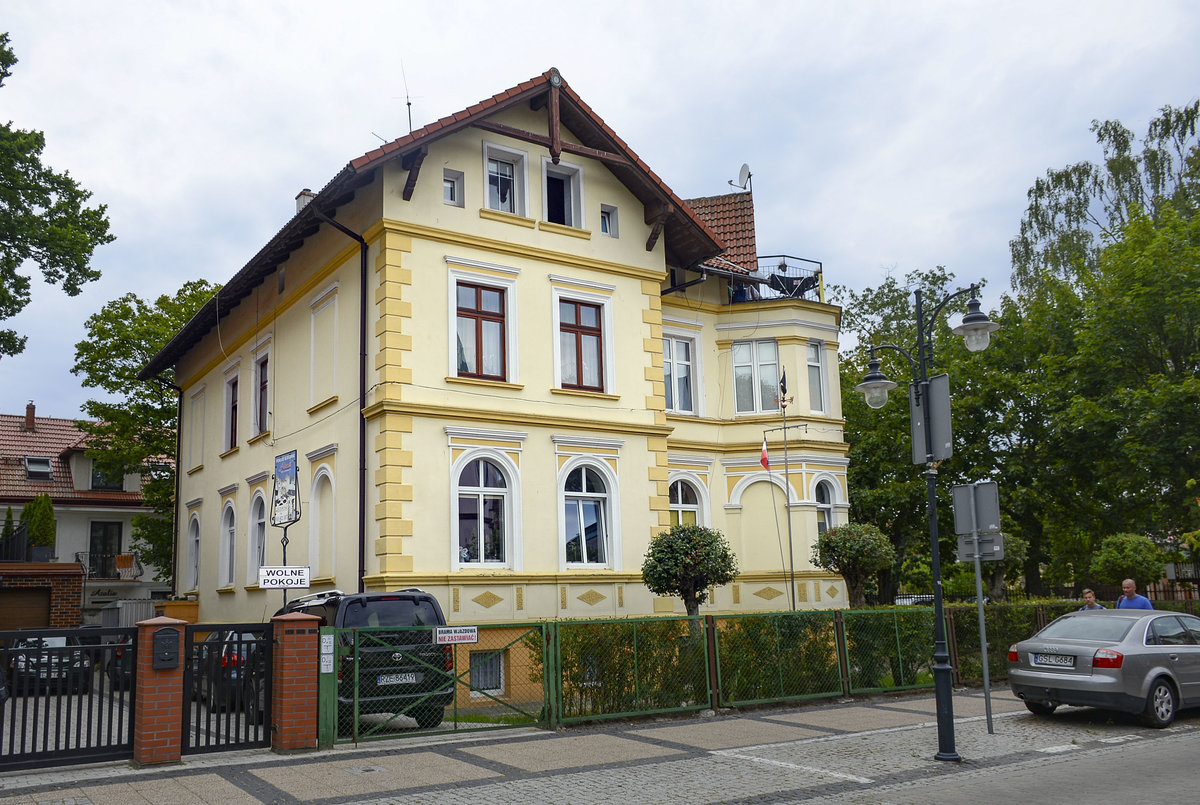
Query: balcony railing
point(780, 276)
point(118, 566)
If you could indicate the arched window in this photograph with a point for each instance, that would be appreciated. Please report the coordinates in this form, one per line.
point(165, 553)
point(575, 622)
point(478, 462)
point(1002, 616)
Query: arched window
point(320, 524)
point(824, 508)
point(483, 494)
point(684, 503)
point(585, 517)
point(258, 538)
point(193, 568)
point(228, 545)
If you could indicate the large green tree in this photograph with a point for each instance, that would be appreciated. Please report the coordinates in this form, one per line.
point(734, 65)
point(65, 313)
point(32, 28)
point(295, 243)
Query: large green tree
point(44, 219)
point(134, 426)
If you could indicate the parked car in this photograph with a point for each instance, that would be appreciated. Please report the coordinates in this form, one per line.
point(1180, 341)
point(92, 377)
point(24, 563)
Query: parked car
point(220, 668)
point(399, 667)
point(118, 664)
point(1135, 661)
point(921, 600)
point(46, 663)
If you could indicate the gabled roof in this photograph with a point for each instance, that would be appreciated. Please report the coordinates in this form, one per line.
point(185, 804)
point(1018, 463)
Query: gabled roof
point(52, 438)
point(731, 217)
point(687, 240)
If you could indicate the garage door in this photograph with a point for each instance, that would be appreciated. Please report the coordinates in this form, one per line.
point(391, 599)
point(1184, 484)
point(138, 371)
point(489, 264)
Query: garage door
point(24, 607)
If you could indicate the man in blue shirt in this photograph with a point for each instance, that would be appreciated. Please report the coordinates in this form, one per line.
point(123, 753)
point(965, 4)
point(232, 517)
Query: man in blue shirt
point(1131, 599)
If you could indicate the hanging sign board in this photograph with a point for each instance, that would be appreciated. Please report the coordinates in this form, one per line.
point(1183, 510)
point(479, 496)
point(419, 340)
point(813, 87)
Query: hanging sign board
point(285, 503)
point(288, 577)
point(446, 635)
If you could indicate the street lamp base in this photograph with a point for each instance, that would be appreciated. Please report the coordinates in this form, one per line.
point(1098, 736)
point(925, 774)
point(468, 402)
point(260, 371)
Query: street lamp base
point(951, 756)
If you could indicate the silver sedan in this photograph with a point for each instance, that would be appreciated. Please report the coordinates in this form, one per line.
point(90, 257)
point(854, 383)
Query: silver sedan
point(1135, 661)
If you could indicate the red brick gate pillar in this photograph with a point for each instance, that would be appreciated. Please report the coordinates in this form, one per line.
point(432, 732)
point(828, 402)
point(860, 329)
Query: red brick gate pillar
point(158, 700)
point(294, 682)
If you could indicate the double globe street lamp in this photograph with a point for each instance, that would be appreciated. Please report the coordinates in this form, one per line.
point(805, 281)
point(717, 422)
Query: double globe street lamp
point(929, 409)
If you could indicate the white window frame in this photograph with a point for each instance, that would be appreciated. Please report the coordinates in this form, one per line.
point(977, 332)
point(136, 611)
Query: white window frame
point(39, 468)
point(327, 297)
point(454, 180)
point(608, 213)
point(323, 473)
point(260, 357)
point(196, 430)
point(572, 175)
point(512, 508)
point(612, 512)
point(256, 541)
point(818, 397)
point(759, 405)
point(700, 509)
point(231, 432)
point(499, 277)
point(601, 296)
point(520, 163)
point(824, 507)
point(694, 368)
point(499, 658)
point(194, 552)
point(227, 562)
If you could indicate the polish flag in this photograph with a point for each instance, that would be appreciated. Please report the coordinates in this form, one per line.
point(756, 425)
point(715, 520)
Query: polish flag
point(763, 460)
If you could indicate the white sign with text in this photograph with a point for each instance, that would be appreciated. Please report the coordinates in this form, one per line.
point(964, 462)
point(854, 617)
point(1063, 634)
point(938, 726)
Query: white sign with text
point(289, 577)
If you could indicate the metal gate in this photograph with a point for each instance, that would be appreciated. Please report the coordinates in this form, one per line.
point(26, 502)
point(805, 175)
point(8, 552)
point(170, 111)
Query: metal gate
point(387, 681)
point(226, 687)
point(70, 696)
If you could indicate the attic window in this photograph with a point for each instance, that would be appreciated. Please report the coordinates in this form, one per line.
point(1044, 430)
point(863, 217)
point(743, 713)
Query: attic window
point(37, 468)
point(563, 186)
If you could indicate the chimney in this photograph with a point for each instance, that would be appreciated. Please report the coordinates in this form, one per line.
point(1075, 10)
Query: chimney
point(303, 197)
point(29, 418)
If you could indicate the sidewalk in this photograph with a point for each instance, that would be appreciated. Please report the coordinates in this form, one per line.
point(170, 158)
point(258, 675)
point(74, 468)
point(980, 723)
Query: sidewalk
point(863, 751)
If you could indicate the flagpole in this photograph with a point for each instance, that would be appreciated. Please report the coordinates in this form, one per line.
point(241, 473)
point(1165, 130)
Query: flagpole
point(787, 510)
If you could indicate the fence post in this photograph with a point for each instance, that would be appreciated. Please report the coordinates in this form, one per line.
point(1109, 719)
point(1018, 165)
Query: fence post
point(843, 654)
point(294, 682)
point(158, 698)
point(710, 641)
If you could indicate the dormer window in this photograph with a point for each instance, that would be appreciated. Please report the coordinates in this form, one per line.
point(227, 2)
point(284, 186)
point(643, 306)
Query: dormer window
point(37, 468)
point(102, 482)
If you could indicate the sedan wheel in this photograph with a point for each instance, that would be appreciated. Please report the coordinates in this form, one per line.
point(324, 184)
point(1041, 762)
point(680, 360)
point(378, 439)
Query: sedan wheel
point(1160, 705)
point(1040, 708)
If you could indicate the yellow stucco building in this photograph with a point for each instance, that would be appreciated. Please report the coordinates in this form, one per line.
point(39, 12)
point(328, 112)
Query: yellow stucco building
point(506, 355)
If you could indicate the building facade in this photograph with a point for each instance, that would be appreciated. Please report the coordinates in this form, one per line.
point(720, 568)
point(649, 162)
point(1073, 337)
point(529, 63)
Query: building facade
point(506, 355)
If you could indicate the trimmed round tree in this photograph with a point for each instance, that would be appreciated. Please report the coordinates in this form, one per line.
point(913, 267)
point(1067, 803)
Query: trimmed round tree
point(685, 561)
point(1128, 556)
point(855, 551)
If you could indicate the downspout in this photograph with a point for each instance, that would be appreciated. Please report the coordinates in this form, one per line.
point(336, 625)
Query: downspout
point(362, 390)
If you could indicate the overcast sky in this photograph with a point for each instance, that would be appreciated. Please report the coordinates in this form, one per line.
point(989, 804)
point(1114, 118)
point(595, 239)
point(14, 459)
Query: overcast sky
point(882, 136)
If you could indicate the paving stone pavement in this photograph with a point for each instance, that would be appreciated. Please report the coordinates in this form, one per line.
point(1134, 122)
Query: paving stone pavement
point(862, 751)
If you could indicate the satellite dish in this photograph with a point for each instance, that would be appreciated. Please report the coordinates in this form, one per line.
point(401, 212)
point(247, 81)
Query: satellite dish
point(744, 176)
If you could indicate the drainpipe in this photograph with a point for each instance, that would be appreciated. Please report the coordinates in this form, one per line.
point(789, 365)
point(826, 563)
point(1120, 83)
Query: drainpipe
point(362, 390)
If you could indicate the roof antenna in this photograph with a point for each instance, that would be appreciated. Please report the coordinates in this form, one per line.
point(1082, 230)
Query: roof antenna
point(407, 97)
point(743, 180)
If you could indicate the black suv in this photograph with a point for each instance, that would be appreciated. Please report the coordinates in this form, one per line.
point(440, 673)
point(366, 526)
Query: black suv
point(391, 636)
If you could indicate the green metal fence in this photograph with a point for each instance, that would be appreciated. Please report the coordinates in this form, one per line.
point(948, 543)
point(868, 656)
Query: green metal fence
point(630, 667)
point(777, 657)
point(888, 649)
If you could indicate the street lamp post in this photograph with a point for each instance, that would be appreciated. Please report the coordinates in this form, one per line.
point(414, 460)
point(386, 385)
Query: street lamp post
point(930, 413)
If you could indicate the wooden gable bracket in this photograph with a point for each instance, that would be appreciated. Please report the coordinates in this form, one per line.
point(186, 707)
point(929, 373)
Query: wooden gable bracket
point(412, 163)
point(538, 139)
point(555, 132)
point(657, 218)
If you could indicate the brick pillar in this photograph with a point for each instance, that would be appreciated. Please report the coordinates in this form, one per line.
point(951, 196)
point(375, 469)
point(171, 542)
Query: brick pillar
point(294, 682)
point(158, 701)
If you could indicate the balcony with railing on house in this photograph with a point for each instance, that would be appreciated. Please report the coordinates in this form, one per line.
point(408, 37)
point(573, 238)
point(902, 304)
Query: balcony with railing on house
point(110, 566)
point(779, 276)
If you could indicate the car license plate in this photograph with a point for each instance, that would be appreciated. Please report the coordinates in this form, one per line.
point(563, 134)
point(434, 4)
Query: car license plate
point(1059, 660)
point(399, 679)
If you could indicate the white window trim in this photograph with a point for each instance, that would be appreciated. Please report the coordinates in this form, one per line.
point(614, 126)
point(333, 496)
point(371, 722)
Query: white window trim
point(702, 499)
point(193, 552)
point(231, 373)
point(520, 160)
point(258, 355)
point(314, 522)
point(614, 223)
point(326, 297)
point(677, 334)
point(756, 383)
point(513, 540)
point(480, 693)
point(822, 405)
point(458, 178)
point(574, 174)
point(228, 546)
point(604, 301)
point(196, 429)
point(613, 551)
point(253, 560)
point(500, 277)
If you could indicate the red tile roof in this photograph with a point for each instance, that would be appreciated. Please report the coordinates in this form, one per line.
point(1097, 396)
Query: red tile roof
point(56, 439)
point(731, 217)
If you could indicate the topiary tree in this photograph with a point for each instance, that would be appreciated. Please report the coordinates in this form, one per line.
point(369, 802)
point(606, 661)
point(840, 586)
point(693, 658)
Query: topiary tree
point(855, 551)
point(1128, 556)
point(38, 516)
point(685, 561)
point(10, 527)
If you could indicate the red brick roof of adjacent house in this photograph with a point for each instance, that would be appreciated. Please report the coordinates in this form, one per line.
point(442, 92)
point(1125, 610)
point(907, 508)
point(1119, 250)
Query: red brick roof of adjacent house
point(731, 217)
point(56, 439)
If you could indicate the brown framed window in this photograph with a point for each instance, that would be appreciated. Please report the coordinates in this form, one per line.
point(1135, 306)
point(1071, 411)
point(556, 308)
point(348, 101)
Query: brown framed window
point(481, 335)
point(581, 345)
